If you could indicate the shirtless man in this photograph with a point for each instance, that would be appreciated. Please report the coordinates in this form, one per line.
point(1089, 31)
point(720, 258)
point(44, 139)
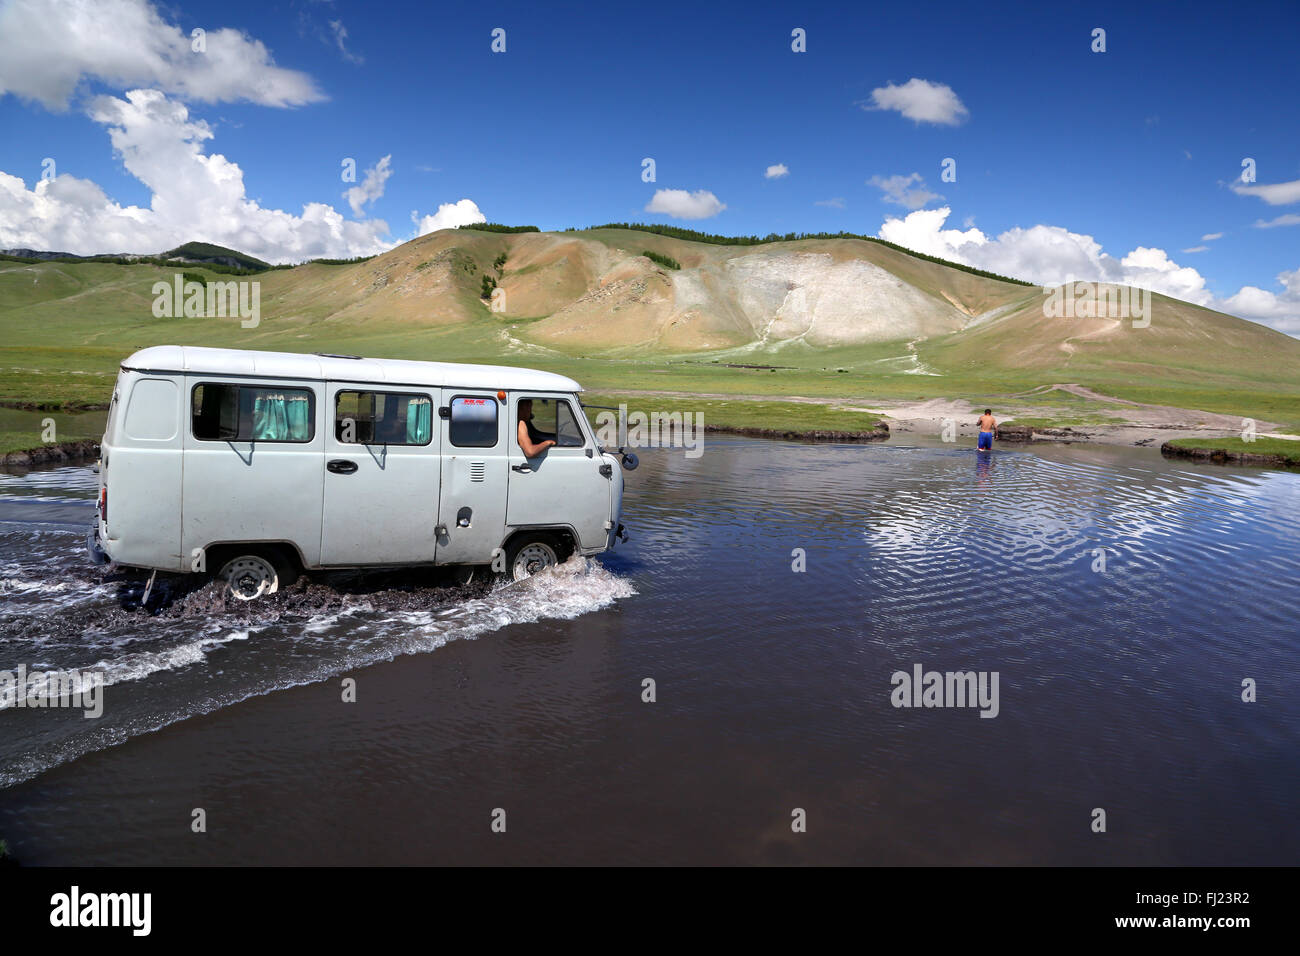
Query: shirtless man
point(532, 441)
point(988, 425)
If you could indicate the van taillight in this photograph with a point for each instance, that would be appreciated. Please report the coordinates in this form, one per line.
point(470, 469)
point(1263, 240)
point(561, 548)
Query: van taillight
point(103, 504)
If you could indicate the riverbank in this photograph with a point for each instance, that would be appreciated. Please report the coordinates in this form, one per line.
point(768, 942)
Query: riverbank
point(54, 453)
point(1269, 452)
point(1057, 413)
point(1054, 413)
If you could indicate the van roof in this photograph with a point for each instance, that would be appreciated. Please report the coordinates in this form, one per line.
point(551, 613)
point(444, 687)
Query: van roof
point(313, 367)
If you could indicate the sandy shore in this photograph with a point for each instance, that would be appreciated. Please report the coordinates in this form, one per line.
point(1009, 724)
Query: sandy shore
point(1139, 424)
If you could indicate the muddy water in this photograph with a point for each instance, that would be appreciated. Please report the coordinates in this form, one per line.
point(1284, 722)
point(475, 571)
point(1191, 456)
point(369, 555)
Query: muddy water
point(1118, 689)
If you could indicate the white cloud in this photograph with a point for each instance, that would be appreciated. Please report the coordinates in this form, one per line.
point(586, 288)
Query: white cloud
point(1282, 311)
point(921, 101)
point(1051, 255)
point(897, 191)
point(449, 216)
point(340, 37)
point(922, 231)
point(680, 204)
point(49, 47)
point(836, 203)
point(49, 50)
point(195, 196)
point(1150, 268)
point(1047, 255)
point(1197, 249)
point(1275, 194)
point(1288, 219)
point(1211, 236)
point(371, 188)
point(776, 172)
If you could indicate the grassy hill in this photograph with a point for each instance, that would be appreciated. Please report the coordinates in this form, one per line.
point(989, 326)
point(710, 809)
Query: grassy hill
point(847, 318)
point(206, 252)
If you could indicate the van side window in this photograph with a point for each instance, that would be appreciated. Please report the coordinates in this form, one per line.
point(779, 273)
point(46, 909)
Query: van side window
point(383, 418)
point(473, 422)
point(222, 411)
point(553, 418)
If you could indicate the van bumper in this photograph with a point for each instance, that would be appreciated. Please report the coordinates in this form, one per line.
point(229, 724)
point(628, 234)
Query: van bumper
point(93, 546)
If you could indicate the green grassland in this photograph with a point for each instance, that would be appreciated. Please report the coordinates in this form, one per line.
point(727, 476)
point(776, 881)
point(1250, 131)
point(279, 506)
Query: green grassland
point(24, 430)
point(67, 326)
point(722, 414)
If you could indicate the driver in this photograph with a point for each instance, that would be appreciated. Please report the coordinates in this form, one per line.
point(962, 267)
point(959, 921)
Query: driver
point(531, 439)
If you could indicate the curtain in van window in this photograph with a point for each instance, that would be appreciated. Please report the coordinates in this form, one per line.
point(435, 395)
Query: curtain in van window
point(281, 418)
point(298, 412)
point(270, 420)
point(419, 421)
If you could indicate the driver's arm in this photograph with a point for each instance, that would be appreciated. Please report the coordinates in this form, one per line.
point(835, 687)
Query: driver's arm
point(531, 449)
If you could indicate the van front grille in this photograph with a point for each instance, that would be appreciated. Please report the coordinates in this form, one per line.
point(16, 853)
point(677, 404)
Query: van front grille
point(477, 470)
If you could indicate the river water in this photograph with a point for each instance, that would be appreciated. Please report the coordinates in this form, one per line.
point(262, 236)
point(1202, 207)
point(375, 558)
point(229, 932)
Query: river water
point(771, 591)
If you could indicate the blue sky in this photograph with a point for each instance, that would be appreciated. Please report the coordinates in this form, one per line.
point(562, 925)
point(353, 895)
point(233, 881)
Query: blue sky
point(1101, 165)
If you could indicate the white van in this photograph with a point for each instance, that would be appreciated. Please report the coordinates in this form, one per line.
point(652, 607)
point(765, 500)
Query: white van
point(259, 465)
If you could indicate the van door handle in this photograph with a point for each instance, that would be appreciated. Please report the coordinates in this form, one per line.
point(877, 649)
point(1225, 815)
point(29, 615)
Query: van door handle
point(341, 466)
point(522, 469)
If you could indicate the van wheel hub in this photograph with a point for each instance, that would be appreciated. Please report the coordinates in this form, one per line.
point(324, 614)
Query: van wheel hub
point(250, 577)
point(533, 557)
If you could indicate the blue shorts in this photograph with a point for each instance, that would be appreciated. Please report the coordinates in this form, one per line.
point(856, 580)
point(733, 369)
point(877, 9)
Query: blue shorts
point(986, 440)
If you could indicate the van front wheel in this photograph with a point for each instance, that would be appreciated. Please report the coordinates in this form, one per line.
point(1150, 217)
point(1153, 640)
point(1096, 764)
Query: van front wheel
point(255, 574)
point(529, 554)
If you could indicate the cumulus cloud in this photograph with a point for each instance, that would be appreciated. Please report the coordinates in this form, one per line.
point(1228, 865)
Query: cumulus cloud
point(1051, 255)
point(776, 172)
point(899, 190)
point(371, 187)
point(921, 101)
point(195, 196)
point(49, 47)
point(1151, 268)
point(680, 204)
point(450, 215)
point(1047, 255)
point(922, 231)
point(1275, 194)
point(1280, 310)
point(48, 50)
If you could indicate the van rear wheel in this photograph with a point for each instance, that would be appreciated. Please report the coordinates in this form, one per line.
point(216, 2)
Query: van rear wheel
point(529, 554)
point(254, 574)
